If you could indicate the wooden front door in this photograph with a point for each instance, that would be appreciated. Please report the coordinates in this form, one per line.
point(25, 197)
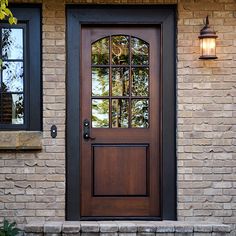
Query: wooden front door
point(121, 121)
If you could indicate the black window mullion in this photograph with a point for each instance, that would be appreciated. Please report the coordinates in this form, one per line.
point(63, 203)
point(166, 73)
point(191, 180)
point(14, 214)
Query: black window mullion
point(26, 82)
point(13, 60)
point(12, 92)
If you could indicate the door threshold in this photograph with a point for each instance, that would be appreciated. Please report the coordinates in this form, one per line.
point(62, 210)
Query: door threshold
point(111, 218)
point(170, 228)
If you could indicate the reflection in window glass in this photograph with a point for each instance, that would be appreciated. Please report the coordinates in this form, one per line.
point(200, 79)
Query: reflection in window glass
point(120, 50)
point(140, 52)
point(12, 77)
point(120, 81)
point(140, 81)
point(120, 113)
point(100, 52)
point(12, 43)
point(12, 108)
point(100, 81)
point(123, 82)
point(100, 113)
point(139, 116)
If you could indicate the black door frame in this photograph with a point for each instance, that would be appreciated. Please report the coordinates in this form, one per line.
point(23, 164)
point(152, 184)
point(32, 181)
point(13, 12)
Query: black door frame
point(161, 15)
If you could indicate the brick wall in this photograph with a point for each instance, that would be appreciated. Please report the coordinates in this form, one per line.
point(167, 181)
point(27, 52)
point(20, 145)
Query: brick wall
point(32, 185)
point(206, 114)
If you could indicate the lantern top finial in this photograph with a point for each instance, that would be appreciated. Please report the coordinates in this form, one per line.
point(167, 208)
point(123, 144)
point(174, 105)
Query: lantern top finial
point(207, 21)
point(206, 31)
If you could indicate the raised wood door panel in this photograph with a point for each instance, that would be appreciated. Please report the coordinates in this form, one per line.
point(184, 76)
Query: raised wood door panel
point(119, 170)
point(120, 166)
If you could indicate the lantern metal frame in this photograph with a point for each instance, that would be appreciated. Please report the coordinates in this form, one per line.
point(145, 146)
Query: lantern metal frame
point(207, 33)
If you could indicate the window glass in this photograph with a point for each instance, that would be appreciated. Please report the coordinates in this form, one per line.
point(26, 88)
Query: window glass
point(12, 76)
point(120, 82)
point(12, 43)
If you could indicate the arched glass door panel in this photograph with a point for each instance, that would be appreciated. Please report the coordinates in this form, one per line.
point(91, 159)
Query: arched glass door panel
point(120, 82)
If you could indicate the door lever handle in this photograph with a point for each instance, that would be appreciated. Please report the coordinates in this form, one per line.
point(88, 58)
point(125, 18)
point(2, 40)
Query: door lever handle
point(87, 137)
point(86, 133)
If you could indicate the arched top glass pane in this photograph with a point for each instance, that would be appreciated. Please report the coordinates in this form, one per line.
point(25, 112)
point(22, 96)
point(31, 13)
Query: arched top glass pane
point(123, 49)
point(139, 51)
point(120, 50)
point(100, 52)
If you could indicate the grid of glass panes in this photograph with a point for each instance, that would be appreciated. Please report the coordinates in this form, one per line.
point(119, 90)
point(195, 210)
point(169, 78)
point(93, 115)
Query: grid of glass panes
point(120, 82)
point(12, 76)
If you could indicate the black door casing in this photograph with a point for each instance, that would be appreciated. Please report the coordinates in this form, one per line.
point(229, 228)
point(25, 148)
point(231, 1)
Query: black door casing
point(141, 15)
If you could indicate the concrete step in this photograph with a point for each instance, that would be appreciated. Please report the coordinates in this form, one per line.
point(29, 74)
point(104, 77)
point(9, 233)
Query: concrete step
point(126, 228)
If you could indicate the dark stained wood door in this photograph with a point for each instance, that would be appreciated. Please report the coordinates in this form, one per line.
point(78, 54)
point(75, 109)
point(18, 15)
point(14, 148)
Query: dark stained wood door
point(121, 114)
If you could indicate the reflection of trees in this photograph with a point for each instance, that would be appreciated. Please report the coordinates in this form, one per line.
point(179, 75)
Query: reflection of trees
point(6, 100)
point(120, 113)
point(6, 42)
point(100, 52)
point(120, 50)
point(18, 107)
point(120, 81)
point(12, 44)
point(120, 87)
point(13, 76)
point(12, 105)
point(100, 113)
point(140, 51)
point(100, 78)
point(140, 81)
point(127, 106)
point(8, 107)
point(12, 108)
point(140, 117)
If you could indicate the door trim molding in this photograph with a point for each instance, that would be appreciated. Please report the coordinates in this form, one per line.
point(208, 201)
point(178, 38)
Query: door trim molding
point(163, 15)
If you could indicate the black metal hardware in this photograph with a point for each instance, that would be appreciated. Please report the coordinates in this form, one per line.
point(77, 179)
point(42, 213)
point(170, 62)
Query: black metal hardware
point(53, 131)
point(86, 134)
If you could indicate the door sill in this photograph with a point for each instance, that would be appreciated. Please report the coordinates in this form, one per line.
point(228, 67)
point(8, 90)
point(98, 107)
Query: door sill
point(112, 218)
point(168, 228)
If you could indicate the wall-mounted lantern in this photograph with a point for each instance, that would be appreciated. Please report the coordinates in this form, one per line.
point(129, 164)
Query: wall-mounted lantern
point(207, 42)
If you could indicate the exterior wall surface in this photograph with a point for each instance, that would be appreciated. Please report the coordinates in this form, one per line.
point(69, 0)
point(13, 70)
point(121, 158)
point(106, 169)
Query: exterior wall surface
point(32, 184)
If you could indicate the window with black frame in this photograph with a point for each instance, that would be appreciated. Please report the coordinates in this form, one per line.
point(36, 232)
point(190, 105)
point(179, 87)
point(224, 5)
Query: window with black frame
point(20, 73)
point(12, 76)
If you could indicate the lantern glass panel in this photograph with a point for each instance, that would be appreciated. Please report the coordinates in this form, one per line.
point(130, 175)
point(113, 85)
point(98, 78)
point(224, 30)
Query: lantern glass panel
point(208, 46)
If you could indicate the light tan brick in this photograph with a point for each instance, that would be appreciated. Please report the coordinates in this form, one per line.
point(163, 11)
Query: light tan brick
point(205, 119)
